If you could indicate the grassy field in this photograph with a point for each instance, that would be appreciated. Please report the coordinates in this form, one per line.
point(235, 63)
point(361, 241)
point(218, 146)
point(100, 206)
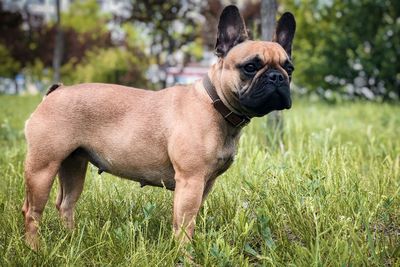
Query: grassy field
point(330, 198)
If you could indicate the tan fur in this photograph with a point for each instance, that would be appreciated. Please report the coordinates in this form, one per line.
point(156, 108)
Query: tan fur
point(172, 138)
point(225, 71)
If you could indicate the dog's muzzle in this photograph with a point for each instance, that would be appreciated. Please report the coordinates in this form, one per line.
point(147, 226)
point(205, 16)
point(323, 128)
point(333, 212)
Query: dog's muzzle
point(270, 92)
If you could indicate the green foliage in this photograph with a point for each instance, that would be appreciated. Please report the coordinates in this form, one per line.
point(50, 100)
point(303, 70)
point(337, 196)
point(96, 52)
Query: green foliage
point(172, 27)
point(85, 17)
point(194, 49)
point(37, 73)
point(134, 37)
point(125, 64)
point(351, 47)
point(331, 198)
point(110, 65)
point(9, 67)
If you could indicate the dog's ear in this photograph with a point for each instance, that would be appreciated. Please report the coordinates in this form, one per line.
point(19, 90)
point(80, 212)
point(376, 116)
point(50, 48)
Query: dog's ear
point(285, 29)
point(231, 30)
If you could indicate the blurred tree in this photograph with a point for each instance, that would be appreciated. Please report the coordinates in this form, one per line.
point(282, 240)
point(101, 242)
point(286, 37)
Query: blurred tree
point(110, 65)
point(85, 29)
point(9, 67)
point(15, 45)
point(91, 55)
point(268, 19)
point(348, 47)
point(59, 44)
point(125, 64)
point(252, 17)
point(211, 11)
point(86, 17)
point(171, 25)
point(30, 47)
point(274, 123)
point(17, 41)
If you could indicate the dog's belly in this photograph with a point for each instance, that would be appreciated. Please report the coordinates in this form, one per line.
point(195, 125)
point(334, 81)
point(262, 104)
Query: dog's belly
point(151, 173)
point(161, 177)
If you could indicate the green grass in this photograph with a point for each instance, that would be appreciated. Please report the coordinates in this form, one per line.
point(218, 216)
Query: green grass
point(330, 198)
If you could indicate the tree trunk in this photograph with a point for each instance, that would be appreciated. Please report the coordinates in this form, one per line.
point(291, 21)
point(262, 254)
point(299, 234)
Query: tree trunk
point(274, 123)
point(59, 45)
point(268, 19)
point(16, 86)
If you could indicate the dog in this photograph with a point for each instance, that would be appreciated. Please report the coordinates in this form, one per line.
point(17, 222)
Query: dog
point(180, 138)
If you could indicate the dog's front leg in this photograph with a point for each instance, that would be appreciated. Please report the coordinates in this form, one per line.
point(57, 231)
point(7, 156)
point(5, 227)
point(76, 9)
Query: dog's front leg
point(187, 201)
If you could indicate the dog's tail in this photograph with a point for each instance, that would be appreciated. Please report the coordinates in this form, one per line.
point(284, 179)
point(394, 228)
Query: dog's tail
point(53, 88)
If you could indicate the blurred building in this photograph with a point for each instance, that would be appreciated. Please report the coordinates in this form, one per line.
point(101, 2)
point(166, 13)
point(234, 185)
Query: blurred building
point(185, 75)
point(191, 71)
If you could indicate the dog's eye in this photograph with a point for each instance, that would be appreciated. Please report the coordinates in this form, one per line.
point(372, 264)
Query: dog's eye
point(289, 69)
point(250, 68)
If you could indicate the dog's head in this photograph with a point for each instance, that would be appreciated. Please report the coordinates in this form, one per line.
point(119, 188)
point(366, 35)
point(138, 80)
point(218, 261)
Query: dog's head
point(253, 77)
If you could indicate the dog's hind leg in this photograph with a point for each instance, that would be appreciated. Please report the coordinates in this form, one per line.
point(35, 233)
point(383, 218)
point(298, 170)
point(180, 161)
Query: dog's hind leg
point(39, 177)
point(72, 177)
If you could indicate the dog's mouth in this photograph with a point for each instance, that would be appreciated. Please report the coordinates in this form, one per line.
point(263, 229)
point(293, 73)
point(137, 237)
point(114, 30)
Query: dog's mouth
point(267, 98)
point(271, 91)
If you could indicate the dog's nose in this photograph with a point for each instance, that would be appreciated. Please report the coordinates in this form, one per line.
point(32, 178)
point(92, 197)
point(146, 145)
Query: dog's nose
point(275, 77)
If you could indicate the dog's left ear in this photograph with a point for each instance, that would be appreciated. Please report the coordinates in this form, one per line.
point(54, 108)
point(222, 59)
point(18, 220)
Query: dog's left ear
point(285, 29)
point(231, 30)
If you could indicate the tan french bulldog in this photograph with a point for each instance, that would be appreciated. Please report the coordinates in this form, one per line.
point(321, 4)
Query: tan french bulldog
point(180, 138)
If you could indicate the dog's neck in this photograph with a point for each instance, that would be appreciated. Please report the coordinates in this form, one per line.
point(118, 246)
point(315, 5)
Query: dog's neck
point(228, 97)
point(236, 120)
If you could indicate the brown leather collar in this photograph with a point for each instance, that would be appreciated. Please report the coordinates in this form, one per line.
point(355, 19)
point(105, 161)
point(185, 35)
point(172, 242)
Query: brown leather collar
point(234, 119)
